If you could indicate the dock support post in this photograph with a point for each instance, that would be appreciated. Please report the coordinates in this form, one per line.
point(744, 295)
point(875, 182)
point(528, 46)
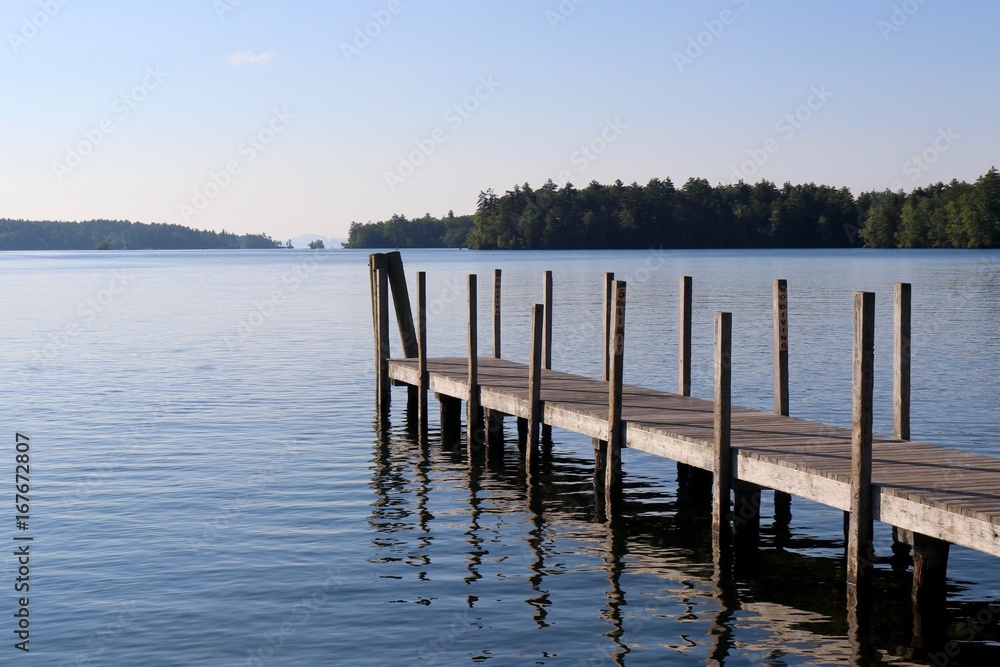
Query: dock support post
point(692, 481)
point(901, 390)
point(451, 421)
point(404, 316)
point(496, 313)
point(473, 417)
point(601, 446)
point(901, 362)
point(494, 419)
point(547, 340)
point(380, 316)
point(535, 387)
point(616, 347)
point(859, 539)
point(684, 337)
point(779, 309)
point(722, 458)
point(422, 353)
point(930, 566)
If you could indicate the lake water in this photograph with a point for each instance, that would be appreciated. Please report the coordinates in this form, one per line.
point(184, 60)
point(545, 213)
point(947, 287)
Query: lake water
point(207, 486)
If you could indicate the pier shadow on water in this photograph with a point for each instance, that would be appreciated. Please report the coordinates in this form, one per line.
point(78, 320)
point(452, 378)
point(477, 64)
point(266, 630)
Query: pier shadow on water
point(511, 566)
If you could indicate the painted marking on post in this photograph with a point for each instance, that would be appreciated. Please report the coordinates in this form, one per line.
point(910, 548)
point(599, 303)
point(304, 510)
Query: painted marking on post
point(620, 322)
point(783, 318)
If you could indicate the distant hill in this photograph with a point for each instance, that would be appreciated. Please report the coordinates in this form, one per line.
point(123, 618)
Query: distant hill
point(121, 235)
point(330, 242)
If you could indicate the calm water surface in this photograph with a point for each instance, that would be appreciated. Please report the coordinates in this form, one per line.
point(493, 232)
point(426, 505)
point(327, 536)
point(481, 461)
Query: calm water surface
point(208, 487)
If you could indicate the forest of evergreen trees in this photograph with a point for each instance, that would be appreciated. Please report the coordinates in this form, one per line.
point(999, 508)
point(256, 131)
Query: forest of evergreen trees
point(450, 231)
point(699, 215)
point(121, 234)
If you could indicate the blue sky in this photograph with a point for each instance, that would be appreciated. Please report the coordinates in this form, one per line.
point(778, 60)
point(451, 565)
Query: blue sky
point(285, 117)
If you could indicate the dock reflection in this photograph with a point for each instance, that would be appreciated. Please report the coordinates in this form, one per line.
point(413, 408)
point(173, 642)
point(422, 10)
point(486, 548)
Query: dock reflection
point(769, 606)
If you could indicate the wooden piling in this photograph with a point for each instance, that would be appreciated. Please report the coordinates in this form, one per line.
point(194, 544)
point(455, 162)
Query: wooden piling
point(547, 340)
point(535, 386)
point(930, 568)
point(451, 421)
point(722, 457)
point(692, 482)
point(901, 362)
point(609, 279)
point(493, 419)
point(779, 314)
point(859, 538)
point(901, 389)
point(601, 446)
point(686, 302)
point(616, 347)
point(473, 417)
point(496, 313)
point(401, 301)
point(380, 312)
point(422, 352)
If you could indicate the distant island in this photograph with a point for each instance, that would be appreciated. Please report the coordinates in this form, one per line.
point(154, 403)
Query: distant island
point(699, 215)
point(121, 235)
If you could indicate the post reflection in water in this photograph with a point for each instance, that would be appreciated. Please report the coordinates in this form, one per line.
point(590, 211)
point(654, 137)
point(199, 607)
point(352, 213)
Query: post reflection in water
point(671, 591)
point(476, 552)
point(536, 537)
point(616, 545)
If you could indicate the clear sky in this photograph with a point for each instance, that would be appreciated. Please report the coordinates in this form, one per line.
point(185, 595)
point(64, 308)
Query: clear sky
point(285, 117)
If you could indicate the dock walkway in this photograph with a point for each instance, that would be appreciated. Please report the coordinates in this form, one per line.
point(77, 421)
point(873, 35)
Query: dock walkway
point(943, 493)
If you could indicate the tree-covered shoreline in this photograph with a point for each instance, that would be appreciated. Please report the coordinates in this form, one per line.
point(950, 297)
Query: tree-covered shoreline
point(699, 215)
point(121, 235)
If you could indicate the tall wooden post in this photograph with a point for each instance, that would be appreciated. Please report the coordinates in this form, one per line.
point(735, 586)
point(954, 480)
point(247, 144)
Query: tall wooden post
point(722, 473)
point(901, 393)
point(535, 387)
point(859, 538)
point(404, 317)
point(779, 313)
point(692, 482)
point(401, 301)
point(616, 346)
point(547, 341)
point(380, 313)
point(684, 337)
point(494, 419)
point(496, 313)
point(609, 279)
point(901, 362)
point(472, 416)
point(422, 352)
point(601, 446)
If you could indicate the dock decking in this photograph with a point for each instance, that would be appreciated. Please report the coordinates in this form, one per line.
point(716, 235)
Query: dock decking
point(943, 493)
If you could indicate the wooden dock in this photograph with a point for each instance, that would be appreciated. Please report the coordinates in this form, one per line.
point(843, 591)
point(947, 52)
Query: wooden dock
point(932, 496)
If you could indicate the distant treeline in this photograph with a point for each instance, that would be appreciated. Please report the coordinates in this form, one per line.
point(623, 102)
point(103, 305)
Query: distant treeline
point(121, 234)
point(450, 231)
point(699, 215)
